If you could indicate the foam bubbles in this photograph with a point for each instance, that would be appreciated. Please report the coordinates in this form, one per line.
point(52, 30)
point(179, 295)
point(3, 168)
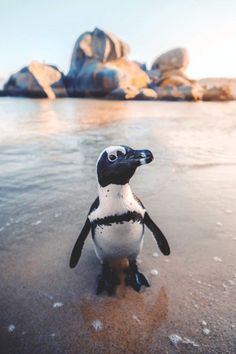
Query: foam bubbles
point(97, 325)
point(57, 304)
point(11, 328)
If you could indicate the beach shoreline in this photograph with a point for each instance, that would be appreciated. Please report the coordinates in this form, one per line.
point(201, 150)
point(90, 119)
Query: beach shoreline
point(47, 185)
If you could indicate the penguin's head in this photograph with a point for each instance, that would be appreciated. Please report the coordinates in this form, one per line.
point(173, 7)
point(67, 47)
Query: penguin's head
point(117, 164)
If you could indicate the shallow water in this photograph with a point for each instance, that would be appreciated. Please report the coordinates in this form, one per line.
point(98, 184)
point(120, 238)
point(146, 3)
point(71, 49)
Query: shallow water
point(48, 152)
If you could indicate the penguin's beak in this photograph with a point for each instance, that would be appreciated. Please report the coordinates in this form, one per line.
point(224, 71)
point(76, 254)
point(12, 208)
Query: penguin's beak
point(141, 157)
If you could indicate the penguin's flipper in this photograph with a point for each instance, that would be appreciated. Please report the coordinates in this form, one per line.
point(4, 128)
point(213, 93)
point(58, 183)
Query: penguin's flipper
point(76, 253)
point(159, 237)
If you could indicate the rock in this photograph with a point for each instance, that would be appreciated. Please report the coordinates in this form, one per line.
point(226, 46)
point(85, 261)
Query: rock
point(123, 94)
point(3, 93)
point(218, 94)
point(146, 94)
point(188, 92)
point(174, 77)
point(218, 89)
point(36, 80)
point(173, 59)
point(99, 65)
point(173, 81)
point(154, 76)
point(142, 66)
point(99, 45)
point(117, 94)
point(169, 80)
point(133, 93)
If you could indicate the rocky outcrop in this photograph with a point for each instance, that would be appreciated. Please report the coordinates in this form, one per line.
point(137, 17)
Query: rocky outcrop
point(218, 89)
point(169, 79)
point(100, 65)
point(36, 80)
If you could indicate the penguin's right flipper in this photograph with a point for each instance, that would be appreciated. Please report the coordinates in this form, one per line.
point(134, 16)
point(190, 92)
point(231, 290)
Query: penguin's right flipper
point(76, 253)
point(159, 237)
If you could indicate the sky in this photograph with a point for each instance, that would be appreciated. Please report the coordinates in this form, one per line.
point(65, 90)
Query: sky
point(46, 30)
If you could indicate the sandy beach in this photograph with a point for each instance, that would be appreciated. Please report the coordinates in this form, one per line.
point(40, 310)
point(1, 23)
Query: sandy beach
point(47, 183)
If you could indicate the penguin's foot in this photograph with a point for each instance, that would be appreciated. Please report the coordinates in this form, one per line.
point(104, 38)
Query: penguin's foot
point(107, 281)
point(134, 278)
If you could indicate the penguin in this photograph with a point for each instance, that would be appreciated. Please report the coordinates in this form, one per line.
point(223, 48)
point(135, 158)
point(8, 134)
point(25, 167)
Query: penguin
point(117, 218)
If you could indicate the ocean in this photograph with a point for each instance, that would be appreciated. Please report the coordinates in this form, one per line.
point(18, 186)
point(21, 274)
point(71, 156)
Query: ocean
point(48, 152)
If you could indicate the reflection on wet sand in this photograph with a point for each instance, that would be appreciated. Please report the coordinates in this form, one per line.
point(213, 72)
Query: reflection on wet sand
point(48, 120)
point(100, 114)
point(42, 118)
point(117, 317)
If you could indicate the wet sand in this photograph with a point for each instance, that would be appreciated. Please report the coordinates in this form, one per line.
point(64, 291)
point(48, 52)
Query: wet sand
point(48, 154)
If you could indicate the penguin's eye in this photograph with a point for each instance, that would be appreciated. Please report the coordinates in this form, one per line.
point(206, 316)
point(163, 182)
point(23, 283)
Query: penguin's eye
point(112, 157)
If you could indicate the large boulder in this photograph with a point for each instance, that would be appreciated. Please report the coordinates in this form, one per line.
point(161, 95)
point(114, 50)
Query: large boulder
point(36, 80)
point(218, 89)
point(169, 79)
point(177, 58)
point(100, 65)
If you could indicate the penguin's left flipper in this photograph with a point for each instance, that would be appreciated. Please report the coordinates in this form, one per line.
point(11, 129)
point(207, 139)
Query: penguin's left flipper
point(159, 237)
point(76, 253)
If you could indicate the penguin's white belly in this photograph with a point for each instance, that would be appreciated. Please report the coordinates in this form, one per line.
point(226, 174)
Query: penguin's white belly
point(118, 240)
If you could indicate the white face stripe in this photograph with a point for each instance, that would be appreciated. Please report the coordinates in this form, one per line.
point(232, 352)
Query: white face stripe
point(112, 149)
point(143, 161)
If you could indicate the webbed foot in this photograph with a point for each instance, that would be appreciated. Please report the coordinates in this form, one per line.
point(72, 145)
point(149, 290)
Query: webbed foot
point(134, 278)
point(107, 281)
